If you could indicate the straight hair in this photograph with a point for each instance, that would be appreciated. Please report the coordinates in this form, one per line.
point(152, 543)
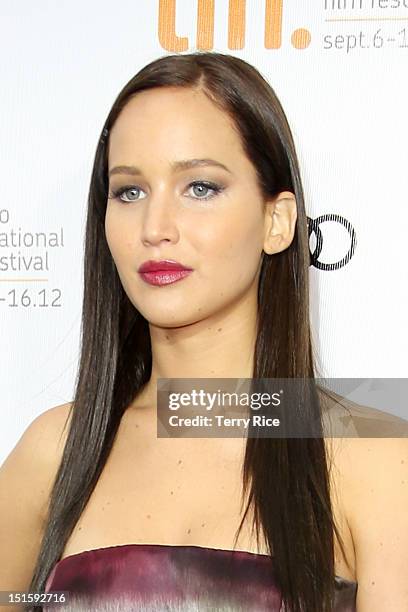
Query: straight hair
point(286, 480)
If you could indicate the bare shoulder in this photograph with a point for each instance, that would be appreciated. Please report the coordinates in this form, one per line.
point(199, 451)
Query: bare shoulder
point(345, 418)
point(360, 461)
point(28, 471)
point(372, 474)
point(47, 432)
point(41, 445)
point(26, 479)
point(368, 457)
point(42, 442)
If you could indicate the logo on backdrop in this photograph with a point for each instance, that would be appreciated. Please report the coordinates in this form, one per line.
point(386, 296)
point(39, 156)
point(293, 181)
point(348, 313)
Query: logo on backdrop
point(205, 19)
point(314, 228)
point(336, 14)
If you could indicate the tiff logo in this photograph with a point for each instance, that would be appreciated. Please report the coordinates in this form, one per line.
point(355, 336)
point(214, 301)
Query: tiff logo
point(169, 40)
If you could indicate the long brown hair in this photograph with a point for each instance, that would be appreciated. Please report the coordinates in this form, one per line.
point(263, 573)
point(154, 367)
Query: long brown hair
point(288, 478)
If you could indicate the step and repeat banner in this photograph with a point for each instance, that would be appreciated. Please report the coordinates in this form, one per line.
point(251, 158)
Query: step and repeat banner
point(339, 68)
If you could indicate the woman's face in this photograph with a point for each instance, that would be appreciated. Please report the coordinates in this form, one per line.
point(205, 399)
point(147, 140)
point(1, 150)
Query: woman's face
point(216, 226)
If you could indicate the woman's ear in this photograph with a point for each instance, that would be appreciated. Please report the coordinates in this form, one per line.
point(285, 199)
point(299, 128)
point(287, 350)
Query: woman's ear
point(280, 222)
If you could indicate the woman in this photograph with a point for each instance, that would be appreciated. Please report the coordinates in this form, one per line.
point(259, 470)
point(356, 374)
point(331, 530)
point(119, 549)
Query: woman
point(196, 164)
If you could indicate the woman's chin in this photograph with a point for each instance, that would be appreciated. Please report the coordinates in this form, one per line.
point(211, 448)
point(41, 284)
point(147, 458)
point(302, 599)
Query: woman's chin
point(170, 318)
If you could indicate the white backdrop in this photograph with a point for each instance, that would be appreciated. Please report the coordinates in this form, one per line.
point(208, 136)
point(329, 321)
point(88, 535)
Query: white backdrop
point(345, 94)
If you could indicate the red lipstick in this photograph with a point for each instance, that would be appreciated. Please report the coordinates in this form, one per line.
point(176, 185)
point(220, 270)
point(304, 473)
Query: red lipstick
point(163, 272)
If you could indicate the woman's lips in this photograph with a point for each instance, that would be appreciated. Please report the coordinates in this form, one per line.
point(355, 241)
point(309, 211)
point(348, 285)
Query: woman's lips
point(164, 277)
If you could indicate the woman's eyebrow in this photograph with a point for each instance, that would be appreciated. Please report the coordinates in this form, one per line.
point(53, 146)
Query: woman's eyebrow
point(176, 166)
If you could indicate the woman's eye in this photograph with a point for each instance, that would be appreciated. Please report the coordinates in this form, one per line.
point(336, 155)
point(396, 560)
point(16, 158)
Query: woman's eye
point(128, 189)
point(202, 187)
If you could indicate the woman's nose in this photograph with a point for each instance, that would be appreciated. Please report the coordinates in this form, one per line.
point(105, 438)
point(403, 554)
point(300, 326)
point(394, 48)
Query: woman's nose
point(159, 220)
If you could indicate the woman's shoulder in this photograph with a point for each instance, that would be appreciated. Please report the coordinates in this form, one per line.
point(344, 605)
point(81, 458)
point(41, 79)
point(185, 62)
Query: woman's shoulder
point(36, 456)
point(46, 435)
point(368, 451)
point(374, 474)
point(345, 418)
point(368, 459)
point(50, 422)
point(26, 480)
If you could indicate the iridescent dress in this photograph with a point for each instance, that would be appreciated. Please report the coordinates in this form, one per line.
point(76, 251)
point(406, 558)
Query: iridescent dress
point(158, 577)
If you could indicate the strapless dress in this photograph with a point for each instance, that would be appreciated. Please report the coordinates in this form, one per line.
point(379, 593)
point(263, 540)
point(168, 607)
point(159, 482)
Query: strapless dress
point(161, 577)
